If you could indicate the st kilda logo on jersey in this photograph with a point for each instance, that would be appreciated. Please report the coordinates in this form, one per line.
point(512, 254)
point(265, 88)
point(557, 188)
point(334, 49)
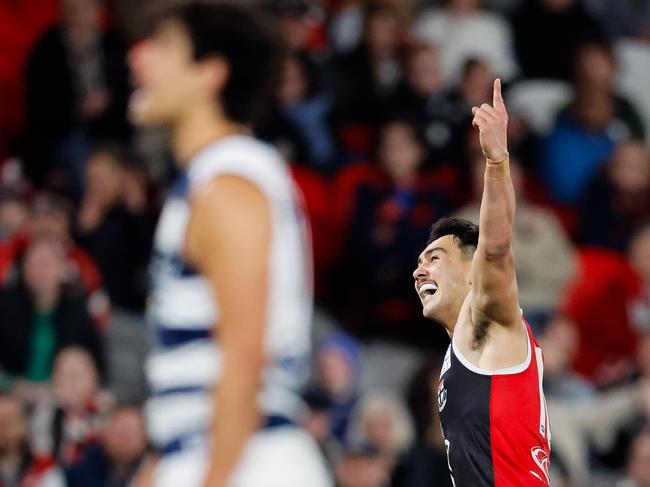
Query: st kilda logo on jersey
point(442, 395)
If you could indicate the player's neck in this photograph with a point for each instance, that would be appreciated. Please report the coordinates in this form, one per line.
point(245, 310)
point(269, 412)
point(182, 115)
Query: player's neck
point(198, 127)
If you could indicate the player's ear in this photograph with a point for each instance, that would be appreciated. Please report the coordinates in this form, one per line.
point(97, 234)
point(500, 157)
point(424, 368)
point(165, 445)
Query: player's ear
point(214, 72)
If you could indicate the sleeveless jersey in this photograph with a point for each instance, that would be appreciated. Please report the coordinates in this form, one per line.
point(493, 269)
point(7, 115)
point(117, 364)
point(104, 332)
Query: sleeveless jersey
point(495, 424)
point(183, 311)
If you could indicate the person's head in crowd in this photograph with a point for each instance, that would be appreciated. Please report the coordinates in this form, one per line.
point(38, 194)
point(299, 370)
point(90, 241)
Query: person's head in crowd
point(316, 419)
point(638, 461)
point(629, 168)
point(382, 29)
point(292, 22)
point(124, 438)
point(338, 366)
point(51, 216)
point(595, 65)
point(423, 71)
point(14, 214)
point(476, 82)
point(82, 20)
point(13, 426)
point(560, 344)
point(361, 465)
point(297, 81)
point(464, 7)
point(75, 378)
point(382, 421)
point(639, 252)
point(105, 173)
point(401, 150)
point(44, 272)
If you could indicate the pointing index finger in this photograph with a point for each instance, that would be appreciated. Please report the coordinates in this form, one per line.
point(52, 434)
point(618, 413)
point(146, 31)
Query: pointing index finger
point(497, 99)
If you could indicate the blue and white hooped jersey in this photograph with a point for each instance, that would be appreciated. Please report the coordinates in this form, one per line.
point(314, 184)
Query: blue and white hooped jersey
point(183, 310)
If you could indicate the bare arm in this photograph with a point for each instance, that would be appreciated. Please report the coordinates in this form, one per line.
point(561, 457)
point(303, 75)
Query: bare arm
point(494, 284)
point(229, 239)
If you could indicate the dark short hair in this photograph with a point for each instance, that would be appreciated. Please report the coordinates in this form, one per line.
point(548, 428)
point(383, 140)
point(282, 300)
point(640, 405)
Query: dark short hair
point(465, 233)
point(247, 42)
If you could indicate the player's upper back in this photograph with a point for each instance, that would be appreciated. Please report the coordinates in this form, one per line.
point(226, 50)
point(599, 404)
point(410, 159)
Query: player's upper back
point(183, 310)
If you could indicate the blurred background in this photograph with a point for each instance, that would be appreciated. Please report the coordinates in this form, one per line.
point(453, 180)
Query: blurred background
point(373, 113)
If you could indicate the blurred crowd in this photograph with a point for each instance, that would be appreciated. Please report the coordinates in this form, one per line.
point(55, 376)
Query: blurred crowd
point(373, 113)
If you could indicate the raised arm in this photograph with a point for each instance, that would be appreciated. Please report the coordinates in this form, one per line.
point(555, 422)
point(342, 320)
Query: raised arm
point(494, 285)
point(229, 239)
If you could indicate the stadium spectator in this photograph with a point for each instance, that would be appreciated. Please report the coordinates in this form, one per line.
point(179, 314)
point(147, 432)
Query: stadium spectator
point(361, 465)
point(114, 462)
point(544, 255)
point(14, 215)
point(51, 218)
point(66, 427)
point(337, 372)
point(587, 131)
point(392, 208)
point(421, 96)
point(77, 91)
point(463, 29)
point(617, 200)
point(541, 55)
point(560, 342)
point(39, 316)
point(300, 125)
point(382, 422)
point(425, 462)
point(18, 466)
point(115, 227)
point(639, 258)
point(368, 74)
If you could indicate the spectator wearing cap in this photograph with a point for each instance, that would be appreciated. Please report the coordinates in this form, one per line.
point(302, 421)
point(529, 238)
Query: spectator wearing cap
point(114, 462)
point(115, 227)
point(337, 371)
point(50, 217)
point(39, 316)
point(19, 467)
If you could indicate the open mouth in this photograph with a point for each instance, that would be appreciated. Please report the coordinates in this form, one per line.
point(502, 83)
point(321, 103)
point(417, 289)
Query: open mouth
point(428, 289)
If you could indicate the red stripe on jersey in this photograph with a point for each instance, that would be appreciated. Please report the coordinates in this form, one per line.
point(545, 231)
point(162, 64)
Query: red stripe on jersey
point(519, 429)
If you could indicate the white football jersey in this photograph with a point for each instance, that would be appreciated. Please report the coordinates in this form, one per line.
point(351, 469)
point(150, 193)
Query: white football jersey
point(183, 312)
